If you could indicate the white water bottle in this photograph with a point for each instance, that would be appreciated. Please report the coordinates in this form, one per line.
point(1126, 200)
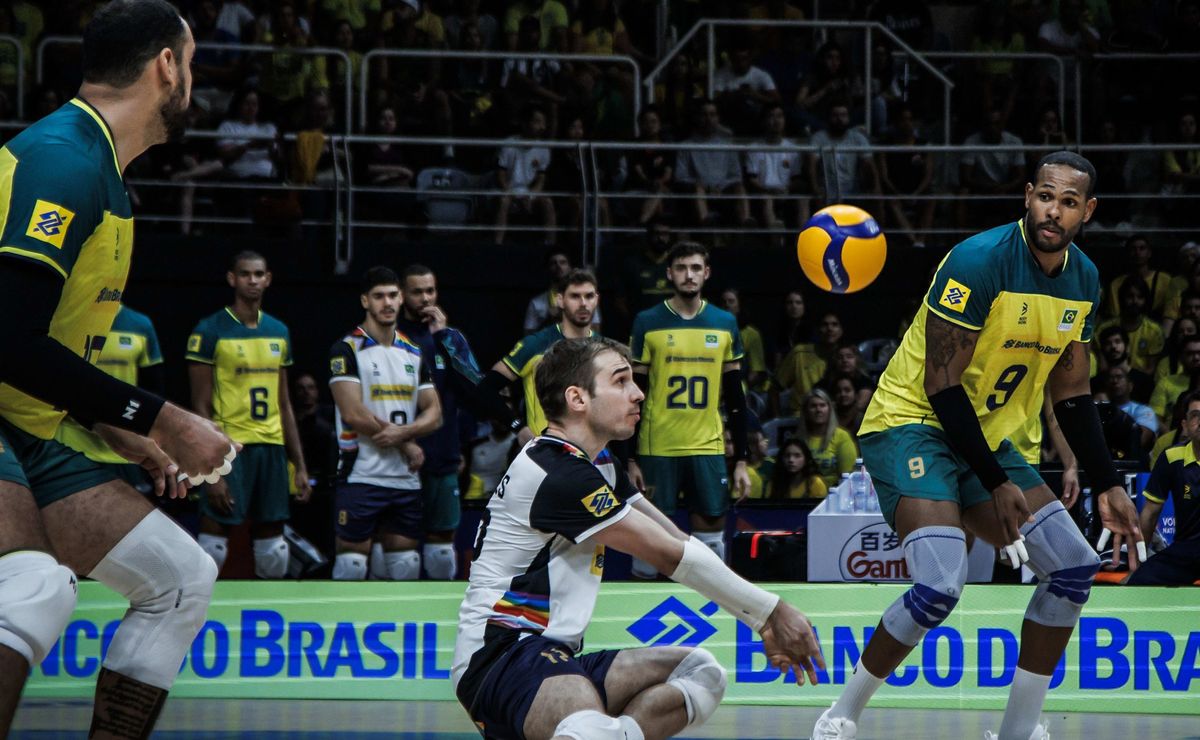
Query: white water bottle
point(858, 486)
point(843, 494)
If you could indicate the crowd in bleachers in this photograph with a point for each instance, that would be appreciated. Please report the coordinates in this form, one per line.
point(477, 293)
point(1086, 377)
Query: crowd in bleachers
point(779, 86)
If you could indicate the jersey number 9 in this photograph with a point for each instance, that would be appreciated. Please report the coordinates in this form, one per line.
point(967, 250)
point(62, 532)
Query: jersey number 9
point(1006, 385)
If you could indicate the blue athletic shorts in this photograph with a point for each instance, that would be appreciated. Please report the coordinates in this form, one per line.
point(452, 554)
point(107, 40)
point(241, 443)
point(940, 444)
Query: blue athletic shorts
point(364, 509)
point(511, 683)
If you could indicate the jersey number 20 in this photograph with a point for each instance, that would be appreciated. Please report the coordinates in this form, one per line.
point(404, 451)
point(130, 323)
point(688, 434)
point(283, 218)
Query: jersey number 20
point(695, 388)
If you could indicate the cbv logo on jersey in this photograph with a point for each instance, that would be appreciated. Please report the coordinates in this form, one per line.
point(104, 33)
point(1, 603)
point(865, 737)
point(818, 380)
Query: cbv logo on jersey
point(685, 627)
point(1067, 323)
point(600, 501)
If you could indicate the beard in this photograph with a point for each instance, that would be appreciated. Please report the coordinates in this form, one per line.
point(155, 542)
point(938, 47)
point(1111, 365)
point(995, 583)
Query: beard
point(172, 114)
point(573, 319)
point(1033, 232)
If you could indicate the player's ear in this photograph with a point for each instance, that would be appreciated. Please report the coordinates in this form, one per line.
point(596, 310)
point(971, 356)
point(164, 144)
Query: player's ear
point(167, 66)
point(364, 301)
point(576, 398)
point(1028, 195)
point(231, 278)
point(1088, 209)
point(267, 279)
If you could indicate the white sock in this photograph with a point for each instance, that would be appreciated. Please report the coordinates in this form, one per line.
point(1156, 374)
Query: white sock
point(633, 731)
point(440, 562)
point(350, 566)
point(378, 571)
point(1025, 701)
point(714, 541)
point(859, 690)
point(216, 546)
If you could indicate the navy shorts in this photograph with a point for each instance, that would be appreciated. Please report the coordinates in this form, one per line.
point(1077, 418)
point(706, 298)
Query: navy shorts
point(511, 683)
point(363, 509)
point(1177, 565)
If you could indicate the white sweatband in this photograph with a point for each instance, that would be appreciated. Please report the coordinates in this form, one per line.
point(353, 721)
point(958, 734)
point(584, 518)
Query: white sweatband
point(702, 571)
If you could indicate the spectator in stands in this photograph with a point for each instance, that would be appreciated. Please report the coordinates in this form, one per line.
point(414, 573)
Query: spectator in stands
point(804, 365)
point(532, 81)
point(1189, 285)
point(344, 39)
point(1174, 476)
point(838, 176)
point(831, 80)
point(1117, 388)
point(361, 16)
point(1068, 35)
point(831, 446)
point(677, 94)
point(643, 274)
point(1171, 362)
point(796, 474)
point(846, 362)
point(553, 22)
point(756, 482)
point(1168, 390)
point(565, 174)
point(1181, 169)
point(285, 78)
point(1185, 261)
point(986, 170)
point(471, 94)
point(1111, 166)
point(754, 366)
point(467, 12)
point(997, 33)
point(650, 169)
point(543, 309)
point(829, 336)
point(792, 327)
point(215, 73)
point(846, 393)
point(907, 174)
point(773, 173)
point(707, 172)
point(1176, 432)
point(190, 160)
point(1050, 131)
point(1114, 354)
point(385, 161)
point(522, 177)
point(599, 30)
point(1139, 256)
point(246, 158)
point(1146, 338)
point(773, 38)
point(743, 91)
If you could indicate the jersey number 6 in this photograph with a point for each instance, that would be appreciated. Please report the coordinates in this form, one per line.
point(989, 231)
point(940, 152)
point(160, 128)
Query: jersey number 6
point(259, 409)
point(1006, 384)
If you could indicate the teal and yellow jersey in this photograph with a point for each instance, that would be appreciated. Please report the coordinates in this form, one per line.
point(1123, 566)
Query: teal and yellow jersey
point(131, 344)
point(246, 363)
point(63, 205)
point(523, 360)
point(991, 283)
point(681, 414)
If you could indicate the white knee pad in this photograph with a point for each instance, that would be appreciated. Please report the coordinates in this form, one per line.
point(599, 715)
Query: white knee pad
point(216, 546)
point(590, 725)
point(1064, 563)
point(350, 566)
point(714, 541)
point(632, 730)
point(702, 681)
point(378, 568)
point(37, 596)
point(403, 565)
point(271, 557)
point(440, 561)
point(168, 581)
point(937, 560)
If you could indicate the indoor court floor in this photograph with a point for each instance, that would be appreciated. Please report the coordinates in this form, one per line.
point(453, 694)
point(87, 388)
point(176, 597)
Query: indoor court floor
point(227, 719)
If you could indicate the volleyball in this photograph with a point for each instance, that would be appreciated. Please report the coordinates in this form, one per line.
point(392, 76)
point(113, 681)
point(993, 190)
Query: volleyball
point(841, 249)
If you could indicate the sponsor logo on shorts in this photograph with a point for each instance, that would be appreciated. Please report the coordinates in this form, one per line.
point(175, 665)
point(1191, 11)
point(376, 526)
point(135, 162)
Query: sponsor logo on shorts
point(955, 296)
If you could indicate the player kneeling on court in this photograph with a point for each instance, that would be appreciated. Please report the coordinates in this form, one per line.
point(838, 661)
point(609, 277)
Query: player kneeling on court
point(539, 558)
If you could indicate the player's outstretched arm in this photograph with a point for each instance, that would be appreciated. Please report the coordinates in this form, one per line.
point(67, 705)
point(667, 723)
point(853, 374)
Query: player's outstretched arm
point(787, 634)
point(1080, 422)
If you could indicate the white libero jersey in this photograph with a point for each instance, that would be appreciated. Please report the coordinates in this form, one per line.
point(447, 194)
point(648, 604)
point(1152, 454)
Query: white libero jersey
point(535, 570)
point(391, 376)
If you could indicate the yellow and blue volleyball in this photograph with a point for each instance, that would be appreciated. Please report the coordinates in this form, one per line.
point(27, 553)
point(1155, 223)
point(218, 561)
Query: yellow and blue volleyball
point(841, 249)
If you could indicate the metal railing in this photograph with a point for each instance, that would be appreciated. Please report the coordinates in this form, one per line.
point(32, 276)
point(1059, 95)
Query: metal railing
point(16, 44)
point(620, 59)
point(868, 27)
point(315, 51)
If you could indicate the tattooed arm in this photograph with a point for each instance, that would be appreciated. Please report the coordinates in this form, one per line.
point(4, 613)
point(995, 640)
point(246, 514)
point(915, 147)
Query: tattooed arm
point(948, 351)
point(1069, 378)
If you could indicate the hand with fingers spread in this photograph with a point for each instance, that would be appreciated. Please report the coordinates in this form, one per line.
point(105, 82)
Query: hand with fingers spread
point(196, 444)
point(1012, 511)
point(1120, 519)
point(789, 642)
point(145, 452)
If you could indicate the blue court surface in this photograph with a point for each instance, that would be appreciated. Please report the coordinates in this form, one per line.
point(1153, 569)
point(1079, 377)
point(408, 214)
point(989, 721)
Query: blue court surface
point(228, 719)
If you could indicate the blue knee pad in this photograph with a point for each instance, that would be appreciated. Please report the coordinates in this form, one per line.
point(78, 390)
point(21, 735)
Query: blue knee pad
point(1064, 563)
point(937, 560)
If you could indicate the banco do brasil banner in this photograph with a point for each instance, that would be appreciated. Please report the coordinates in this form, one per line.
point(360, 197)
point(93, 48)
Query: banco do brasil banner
point(1135, 650)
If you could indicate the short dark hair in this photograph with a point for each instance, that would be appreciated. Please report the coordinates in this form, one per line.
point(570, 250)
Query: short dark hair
point(379, 275)
point(246, 255)
point(1130, 284)
point(415, 270)
point(126, 34)
point(687, 249)
point(577, 276)
point(1075, 161)
point(1107, 332)
point(570, 362)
